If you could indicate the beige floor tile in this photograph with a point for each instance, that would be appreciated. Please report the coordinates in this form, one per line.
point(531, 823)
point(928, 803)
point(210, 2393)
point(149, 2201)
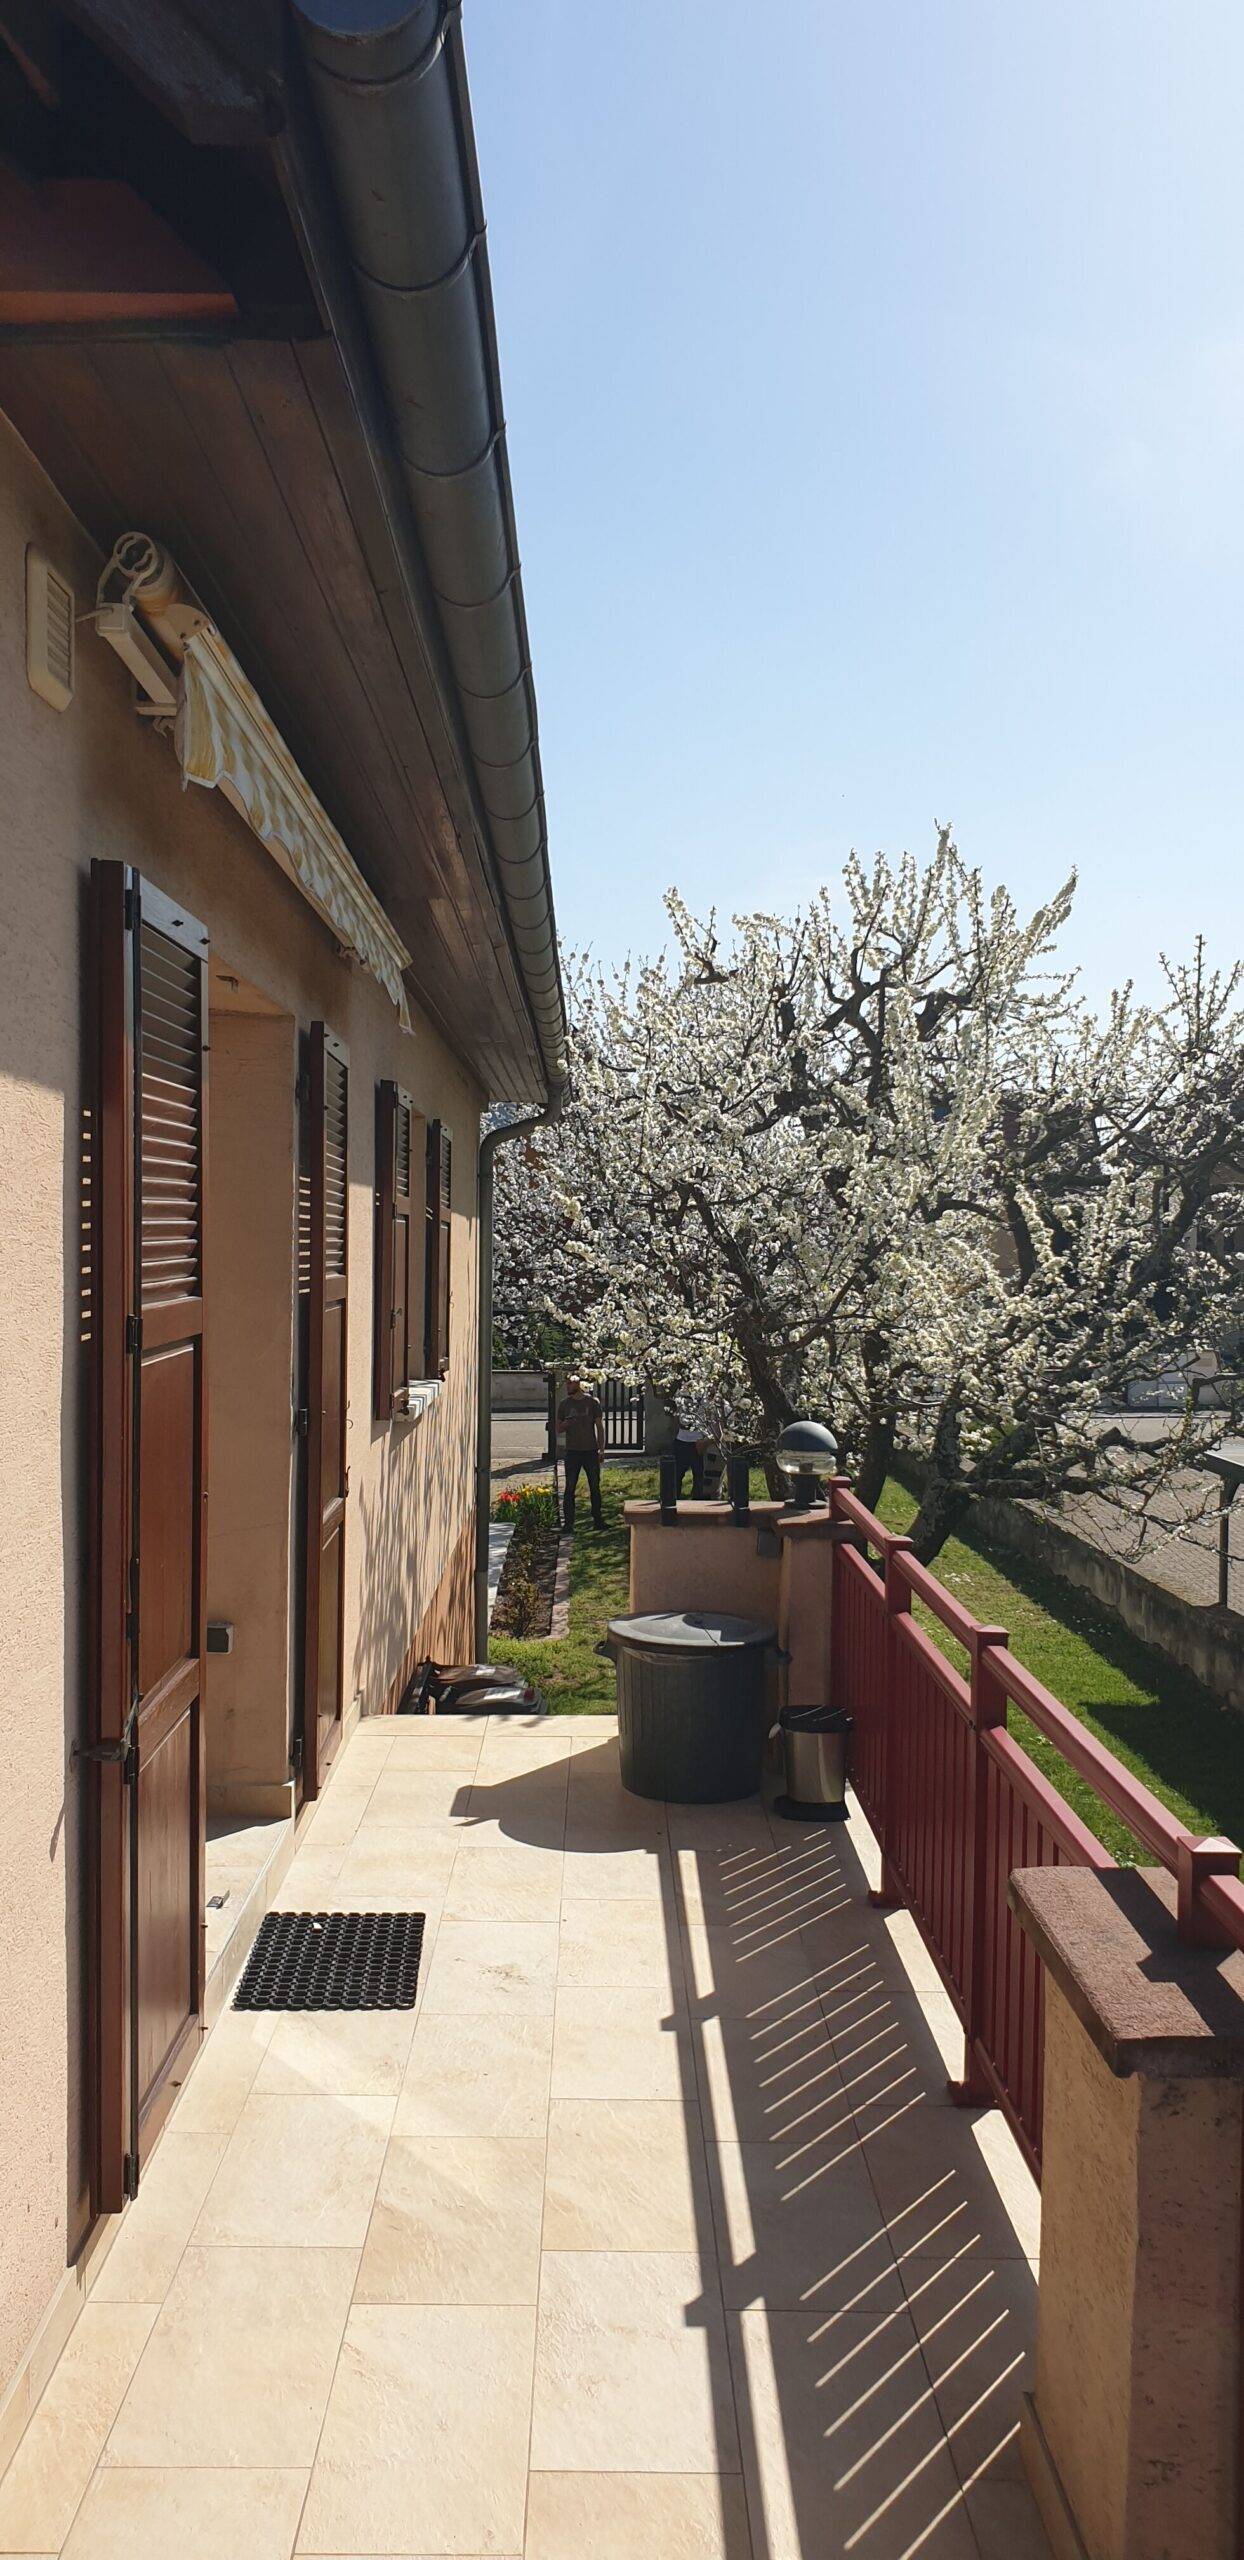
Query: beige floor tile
point(621, 2044)
point(767, 1980)
point(977, 2330)
point(768, 2081)
point(339, 2053)
point(593, 1827)
point(417, 1799)
point(225, 2071)
point(618, 1945)
point(505, 1755)
point(237, 2370)
point(518, 1813)
point(485, 2075)
point(626, 2175)
point(640, 1873)
point(298, 2172)
point(802, 2233)
point(188, 2515)
point(899, 2043)
point(334, 1821)
point(753, 1888)
point(413, 1868)
point(503, 1884)
point(481, 1966)
point(736, 1834)
point(598, 1802)
point(310, 1883)
point(631, 2370)
point(436, 1743)
point(615, 2515)
point(1004, 2518)
point(455, 2221)
point(843, 2451)
point(952, 2185)
point(67, 2433)
point(142, 2262)
point(424, 2446)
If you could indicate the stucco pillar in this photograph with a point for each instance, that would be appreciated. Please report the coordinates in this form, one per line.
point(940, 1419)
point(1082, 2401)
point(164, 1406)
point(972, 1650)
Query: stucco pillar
point(806, 1603)
point(1132, 2435)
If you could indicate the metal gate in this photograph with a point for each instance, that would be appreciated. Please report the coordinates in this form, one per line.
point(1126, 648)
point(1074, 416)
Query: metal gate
point(624, 1414)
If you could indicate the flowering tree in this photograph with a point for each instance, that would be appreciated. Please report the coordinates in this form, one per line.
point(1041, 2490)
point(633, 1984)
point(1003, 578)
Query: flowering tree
point(881, 1162)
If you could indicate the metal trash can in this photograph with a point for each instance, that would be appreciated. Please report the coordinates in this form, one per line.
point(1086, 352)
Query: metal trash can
point(691, 1712)
point(814, 1754)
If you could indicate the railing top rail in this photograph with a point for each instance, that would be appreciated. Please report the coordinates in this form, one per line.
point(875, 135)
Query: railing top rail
point(1219, 1896)
point(1151, 1821)
point(1034, 1789)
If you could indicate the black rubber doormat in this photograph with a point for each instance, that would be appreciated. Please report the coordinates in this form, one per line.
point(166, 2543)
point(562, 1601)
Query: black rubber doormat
point(333, 1960)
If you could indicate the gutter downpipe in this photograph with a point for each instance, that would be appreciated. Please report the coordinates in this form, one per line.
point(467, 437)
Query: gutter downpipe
point(388, 83)
point(489, 1143)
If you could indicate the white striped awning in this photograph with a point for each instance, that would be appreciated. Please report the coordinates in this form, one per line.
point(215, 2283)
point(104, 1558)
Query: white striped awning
point(226, 741)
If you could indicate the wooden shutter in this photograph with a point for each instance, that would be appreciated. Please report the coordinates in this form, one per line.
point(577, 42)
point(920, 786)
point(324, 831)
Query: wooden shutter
point(396, 1229)
point(147, 1750)
point(437, 1212)
point(327, 1475)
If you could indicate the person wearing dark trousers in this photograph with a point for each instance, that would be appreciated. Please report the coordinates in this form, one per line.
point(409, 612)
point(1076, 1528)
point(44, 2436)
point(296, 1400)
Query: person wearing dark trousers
point(689, 1448)
point(581, 1421)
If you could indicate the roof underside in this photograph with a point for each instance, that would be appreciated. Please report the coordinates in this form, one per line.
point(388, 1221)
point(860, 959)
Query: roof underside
point(261, 455)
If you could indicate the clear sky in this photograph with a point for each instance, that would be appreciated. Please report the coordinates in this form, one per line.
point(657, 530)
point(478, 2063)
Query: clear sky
point(874, 377)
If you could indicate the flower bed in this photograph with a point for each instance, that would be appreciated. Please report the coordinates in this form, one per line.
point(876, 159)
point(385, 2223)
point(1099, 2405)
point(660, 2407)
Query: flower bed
point(524, 1603)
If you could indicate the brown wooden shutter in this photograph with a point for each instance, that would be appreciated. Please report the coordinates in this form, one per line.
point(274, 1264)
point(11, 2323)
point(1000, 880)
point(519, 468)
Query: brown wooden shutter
point(396, 1229)
point(327, 1474)
point(149, 1468)
point(438, 1203)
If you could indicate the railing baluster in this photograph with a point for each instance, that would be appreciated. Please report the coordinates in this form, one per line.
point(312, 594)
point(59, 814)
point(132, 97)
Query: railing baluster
point(988, 1699)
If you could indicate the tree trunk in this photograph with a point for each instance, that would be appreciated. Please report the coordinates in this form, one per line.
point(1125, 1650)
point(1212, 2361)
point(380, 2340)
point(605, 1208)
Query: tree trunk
point(942, 1506)
point(876, 1460)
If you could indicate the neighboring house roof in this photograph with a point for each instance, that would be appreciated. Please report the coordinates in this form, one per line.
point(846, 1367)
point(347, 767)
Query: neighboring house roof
point(310, 417)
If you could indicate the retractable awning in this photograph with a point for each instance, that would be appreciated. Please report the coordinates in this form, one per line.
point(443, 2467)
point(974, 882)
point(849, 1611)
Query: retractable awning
point(226, 742)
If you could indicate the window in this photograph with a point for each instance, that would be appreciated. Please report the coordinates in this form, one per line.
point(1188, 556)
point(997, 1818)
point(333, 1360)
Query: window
point(437, 1225)
point(397, 1268)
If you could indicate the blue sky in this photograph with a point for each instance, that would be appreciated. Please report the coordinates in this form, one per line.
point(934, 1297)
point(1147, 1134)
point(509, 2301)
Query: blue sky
point(875, 386)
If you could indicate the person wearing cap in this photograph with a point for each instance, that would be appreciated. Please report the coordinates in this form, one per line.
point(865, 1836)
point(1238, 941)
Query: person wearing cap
point(581, 1422)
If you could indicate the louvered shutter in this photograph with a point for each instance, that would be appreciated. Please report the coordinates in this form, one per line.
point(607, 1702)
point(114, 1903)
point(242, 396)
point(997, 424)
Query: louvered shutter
point(327, 1474)
point(147, 1746)
point(438, 1207)
point(395, 1248)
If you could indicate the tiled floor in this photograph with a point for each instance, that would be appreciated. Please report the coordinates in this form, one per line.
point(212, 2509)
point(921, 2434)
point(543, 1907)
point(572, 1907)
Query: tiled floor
point(650, 2231)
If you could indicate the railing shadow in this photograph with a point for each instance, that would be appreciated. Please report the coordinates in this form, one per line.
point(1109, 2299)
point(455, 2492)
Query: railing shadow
point(873, 2308)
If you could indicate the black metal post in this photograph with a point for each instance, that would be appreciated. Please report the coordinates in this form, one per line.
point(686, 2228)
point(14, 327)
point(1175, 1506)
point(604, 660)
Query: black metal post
point(668, 1469)
point(739, 1479)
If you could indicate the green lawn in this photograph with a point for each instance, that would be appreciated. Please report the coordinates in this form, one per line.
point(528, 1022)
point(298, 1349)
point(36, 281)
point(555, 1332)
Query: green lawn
point(1158, 1721)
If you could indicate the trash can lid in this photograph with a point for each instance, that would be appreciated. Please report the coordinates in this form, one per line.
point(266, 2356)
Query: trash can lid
point(689, 1631)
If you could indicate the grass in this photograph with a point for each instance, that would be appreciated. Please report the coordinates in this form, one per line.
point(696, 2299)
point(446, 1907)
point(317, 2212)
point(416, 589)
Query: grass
point(1158, 1720)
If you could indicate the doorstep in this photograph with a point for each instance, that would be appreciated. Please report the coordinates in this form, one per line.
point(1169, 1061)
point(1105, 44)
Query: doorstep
point(245, 1862)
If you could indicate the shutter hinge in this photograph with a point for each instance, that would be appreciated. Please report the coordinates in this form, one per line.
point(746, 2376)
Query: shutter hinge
point(129, 2176)
point(296, 1756)
point(302, 1422)
point(133, 1333)
point(129, 910)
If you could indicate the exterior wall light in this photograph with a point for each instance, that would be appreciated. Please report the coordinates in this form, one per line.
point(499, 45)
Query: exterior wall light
point(806, 1453)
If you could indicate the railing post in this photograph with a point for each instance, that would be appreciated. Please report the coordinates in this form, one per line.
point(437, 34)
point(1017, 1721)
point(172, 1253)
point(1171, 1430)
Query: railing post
point(1195, 1860)
point(989, 1704)
point(897, 1604)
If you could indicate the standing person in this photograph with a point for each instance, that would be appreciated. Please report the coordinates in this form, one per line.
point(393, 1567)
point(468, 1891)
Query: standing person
point(689, 1447)
point(581, 1421)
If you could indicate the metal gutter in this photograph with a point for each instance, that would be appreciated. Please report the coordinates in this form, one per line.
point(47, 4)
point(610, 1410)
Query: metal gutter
point(388, 79)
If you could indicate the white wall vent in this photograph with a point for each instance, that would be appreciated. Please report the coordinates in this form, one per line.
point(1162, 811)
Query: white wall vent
point(49, 631)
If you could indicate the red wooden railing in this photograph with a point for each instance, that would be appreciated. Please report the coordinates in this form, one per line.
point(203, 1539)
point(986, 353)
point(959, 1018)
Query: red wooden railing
point(957, 1805)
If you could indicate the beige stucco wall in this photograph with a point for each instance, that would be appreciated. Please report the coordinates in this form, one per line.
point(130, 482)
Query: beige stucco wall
point(94, 780)
point(253, 1066)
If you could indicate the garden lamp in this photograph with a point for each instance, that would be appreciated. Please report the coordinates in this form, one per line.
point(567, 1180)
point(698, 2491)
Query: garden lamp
point(806, 1453)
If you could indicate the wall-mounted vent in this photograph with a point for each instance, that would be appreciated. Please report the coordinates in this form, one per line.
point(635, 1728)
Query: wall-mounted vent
point(49, 631)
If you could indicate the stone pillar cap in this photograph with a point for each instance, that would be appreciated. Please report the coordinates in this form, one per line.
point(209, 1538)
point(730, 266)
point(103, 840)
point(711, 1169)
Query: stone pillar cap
point(1150, 2002)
